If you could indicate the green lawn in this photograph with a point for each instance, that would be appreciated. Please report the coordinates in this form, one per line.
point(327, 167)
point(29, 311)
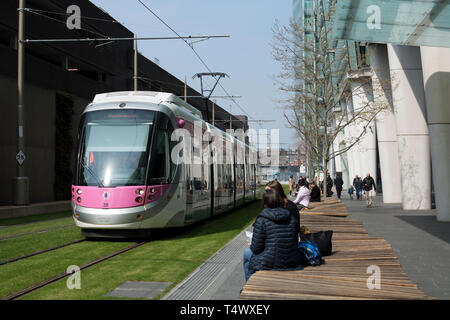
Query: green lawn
point(169, 257)
point(35, 226)
point(23, 245)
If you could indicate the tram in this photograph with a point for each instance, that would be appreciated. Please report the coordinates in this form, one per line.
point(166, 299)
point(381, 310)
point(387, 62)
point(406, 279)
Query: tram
point(126, 182)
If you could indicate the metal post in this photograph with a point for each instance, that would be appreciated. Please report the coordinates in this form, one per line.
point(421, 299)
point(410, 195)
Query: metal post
point(21, 183)
point(231, 121)
point(213, 113)
point(135, 71)
point(185, 89)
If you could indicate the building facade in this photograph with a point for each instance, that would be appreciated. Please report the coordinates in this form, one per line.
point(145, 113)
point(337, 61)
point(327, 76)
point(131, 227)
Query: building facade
point(409, 48)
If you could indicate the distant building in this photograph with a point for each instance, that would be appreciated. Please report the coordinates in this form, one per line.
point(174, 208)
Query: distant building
point(290, 163)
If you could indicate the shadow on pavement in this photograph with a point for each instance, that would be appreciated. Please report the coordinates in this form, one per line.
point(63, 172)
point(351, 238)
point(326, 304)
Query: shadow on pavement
point(430, 225)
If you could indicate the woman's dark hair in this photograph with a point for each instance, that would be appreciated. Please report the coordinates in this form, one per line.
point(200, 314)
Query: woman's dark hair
point(275, 185)
point(302, 182)
point(271, 199)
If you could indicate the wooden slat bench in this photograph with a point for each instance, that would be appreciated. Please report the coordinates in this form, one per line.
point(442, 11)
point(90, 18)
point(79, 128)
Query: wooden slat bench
point(344, 274)
point(327, 207)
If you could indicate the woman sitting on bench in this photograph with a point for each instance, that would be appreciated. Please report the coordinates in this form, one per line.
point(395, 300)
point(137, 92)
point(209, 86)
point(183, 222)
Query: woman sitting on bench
point(303, 196)
point(275, 238)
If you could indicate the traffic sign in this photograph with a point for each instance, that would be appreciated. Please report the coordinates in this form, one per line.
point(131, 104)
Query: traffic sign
point(20, 157)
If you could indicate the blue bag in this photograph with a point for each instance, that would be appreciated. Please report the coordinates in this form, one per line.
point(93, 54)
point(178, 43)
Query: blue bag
point(311, 252)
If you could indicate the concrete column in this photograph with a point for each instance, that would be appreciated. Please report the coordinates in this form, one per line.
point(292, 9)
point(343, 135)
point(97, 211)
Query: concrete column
point(385, 123)
point(436, 77)
point(411, 122)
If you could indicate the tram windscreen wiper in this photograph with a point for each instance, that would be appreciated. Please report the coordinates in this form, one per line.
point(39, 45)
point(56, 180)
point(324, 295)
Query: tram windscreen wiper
point(99, 181)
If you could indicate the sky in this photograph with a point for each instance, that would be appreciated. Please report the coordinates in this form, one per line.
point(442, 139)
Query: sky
point(246, 56)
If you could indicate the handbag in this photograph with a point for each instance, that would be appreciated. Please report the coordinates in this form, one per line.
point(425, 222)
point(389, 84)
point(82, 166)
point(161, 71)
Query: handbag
point(322, 239)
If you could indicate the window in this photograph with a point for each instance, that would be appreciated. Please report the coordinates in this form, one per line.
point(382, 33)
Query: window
point(162, 169)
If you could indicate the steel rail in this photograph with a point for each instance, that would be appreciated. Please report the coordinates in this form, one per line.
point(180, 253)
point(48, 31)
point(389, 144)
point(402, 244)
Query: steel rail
point(41, 252)
point(51, 280)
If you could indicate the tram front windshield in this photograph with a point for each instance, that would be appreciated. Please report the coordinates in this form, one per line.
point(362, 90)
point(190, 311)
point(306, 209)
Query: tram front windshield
point(114, 148)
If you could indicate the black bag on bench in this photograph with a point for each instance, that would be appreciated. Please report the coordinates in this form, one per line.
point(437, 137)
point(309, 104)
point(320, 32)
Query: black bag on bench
point(322, 239)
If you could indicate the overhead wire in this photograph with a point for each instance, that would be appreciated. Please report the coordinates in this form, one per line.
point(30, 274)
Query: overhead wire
point(40, 12)
point(33, 11)
point(196, 53)
point(67, 15)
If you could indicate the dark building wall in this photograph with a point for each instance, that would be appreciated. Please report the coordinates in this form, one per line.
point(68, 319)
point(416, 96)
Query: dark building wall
point(100, 69)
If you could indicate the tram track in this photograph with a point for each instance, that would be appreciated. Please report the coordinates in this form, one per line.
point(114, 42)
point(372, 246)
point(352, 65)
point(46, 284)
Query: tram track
point(41, 252)
point(53, 279)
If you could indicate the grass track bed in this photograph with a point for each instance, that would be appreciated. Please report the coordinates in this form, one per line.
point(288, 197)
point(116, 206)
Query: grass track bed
point(167, 258)
point(24, 273)
point(17, 247)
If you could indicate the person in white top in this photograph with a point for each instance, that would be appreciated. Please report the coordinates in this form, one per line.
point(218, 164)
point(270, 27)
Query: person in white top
point(303, 196)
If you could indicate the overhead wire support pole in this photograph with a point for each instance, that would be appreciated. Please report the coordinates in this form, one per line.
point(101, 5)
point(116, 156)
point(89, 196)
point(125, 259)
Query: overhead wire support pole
point(219, 75)
point(21, 182)
point(135, 69)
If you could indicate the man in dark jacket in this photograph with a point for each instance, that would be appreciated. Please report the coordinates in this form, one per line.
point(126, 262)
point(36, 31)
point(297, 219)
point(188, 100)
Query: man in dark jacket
point(329, 186)
point(275, 239)
point(315, 193)
point(369, 189)
point(357, 183)
point(338, 182)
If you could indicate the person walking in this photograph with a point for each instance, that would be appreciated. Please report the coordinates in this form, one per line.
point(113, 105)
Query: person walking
point(329, 185)
point(355, 184)
point(369, 188)
point(338, 182)
point(291, 185)
point(275, 239)
point(351, 190)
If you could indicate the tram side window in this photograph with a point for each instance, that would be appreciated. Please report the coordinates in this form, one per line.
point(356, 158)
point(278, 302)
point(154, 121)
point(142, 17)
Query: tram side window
point(161, 168)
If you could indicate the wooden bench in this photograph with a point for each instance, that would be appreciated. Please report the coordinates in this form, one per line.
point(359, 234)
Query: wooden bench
point(327, 207)
point(344, 274)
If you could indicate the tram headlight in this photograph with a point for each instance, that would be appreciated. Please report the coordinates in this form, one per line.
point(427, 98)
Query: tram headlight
point(139, 199)
point(79, 191)
point(140, 191)
point(79, 199)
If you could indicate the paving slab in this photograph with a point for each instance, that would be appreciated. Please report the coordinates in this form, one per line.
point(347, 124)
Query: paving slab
point(139, 289)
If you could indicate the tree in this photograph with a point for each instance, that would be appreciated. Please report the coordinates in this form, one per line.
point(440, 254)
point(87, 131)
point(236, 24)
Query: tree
point(319, 86)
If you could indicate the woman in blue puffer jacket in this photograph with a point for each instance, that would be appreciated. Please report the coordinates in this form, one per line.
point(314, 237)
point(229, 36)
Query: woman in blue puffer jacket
point(275, 239)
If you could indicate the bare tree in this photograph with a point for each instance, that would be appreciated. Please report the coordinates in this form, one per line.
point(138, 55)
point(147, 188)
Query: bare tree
point(319, 87)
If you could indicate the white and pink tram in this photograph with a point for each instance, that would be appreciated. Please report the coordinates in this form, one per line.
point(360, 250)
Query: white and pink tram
point(125, 182)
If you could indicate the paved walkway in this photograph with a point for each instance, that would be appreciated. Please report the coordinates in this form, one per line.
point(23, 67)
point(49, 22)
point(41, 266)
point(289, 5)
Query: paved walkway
point(421, 244)
point(34, 209)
